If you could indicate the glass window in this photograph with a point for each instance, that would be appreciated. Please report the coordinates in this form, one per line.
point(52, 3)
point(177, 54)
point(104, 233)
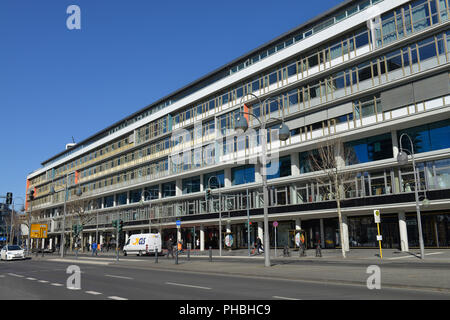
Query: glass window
point(369, 149)
point(108, 201)
point(121, 199)
point(213, 183)
point(243, 174)
point(135, 195)
point(191, 185)
point(429, 137)
point(168, 189)
point(281, 168)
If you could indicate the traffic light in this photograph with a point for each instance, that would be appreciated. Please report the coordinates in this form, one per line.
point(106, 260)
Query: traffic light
point(208, 194)
point(9, 198)
point(120, 225)
point(77, 230)
point(31, 195)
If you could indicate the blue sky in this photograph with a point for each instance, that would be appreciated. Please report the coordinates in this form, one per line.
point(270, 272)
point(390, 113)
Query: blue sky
point(57, 83)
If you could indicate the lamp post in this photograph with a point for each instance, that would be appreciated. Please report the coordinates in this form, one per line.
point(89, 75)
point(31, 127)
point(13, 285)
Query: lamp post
point(11, 238)
point(220, 212)
point(402, 159)
point(241, 126)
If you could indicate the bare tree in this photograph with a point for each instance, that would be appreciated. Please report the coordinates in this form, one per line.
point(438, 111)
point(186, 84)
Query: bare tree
point(329, 161)
point(79, 213)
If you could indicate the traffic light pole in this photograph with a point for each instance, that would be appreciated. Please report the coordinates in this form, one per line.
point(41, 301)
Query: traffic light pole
point(117, 241)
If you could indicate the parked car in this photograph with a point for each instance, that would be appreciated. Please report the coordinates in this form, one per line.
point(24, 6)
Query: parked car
point(11, 252)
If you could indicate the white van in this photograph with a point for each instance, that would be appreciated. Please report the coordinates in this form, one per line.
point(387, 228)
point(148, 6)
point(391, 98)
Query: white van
point(144, 243)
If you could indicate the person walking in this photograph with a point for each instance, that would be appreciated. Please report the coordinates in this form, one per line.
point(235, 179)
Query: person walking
point(169, 245)
point(258, 245)
point(94, 248)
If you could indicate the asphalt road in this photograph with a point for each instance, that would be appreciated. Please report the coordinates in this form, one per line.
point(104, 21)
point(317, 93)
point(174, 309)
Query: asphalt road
point(33, 279)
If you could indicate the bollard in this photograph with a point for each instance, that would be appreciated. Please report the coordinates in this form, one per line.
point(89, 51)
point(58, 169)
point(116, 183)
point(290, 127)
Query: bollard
point(210, 254)
point(156, 255)
point(176, 257)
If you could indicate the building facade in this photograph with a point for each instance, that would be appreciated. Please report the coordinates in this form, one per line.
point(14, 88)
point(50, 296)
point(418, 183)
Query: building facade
point(358, 76)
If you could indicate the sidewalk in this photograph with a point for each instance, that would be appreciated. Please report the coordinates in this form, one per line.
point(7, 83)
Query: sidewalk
point(354, 255)
point(398, 270)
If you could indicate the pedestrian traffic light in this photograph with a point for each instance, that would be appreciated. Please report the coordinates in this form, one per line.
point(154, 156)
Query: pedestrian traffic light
point(120, 225)
point(9, 198)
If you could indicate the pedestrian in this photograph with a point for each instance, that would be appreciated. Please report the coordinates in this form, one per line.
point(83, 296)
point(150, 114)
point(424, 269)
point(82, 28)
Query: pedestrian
point(259, 245)
point(99, 248)
point(169, 245)
point(94, 248)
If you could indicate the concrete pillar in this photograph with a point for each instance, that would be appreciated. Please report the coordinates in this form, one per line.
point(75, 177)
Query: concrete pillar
point(298, 224)
point(344, 236)
point(202, 238)
point(50, 245)
point(178, 187)
point(228, 227)
point(101, 237)
point(202, 187)
point(295, 164)
point(227, 177)
point(261, 230)
point(258, 173)
point(403, 232)
point(322, 234)
point(395, 147)
point(90, 241)
point(160, 191)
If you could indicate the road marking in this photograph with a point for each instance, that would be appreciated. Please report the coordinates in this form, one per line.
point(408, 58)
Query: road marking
point(187, 285)
point(284, 298)
point(2, 276)
point(15, 275)
point(43, 281)
point(57, 284)
point(95, 293)
point(80, 261)
point(120, 277)
point(116, 298)
point(411, 256)
point(31, 279)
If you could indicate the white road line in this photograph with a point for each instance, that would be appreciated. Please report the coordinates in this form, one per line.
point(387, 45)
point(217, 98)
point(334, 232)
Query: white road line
point(75, 261)
point(116, 298)
point(284, 298)
point(57, 284)
point(120, 277)
point(43, 281)
point(15, 275)
point(187, 285)
point(2, 276)
point(411, 256)
point(95, 293)
point(31, 279)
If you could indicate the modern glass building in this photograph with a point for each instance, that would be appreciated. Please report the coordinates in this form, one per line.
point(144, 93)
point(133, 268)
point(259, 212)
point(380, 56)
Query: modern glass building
point(356, 77)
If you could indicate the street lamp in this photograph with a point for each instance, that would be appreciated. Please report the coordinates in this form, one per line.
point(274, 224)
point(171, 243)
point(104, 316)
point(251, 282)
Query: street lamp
point(402, 159)
point(241, 126)
point(220, 212)
point(11, 238)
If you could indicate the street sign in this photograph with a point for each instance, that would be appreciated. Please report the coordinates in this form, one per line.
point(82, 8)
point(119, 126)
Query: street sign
point(379, 238)
point(178, 223)
point(38, 231)
point(275, 224)
point(376, 215)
